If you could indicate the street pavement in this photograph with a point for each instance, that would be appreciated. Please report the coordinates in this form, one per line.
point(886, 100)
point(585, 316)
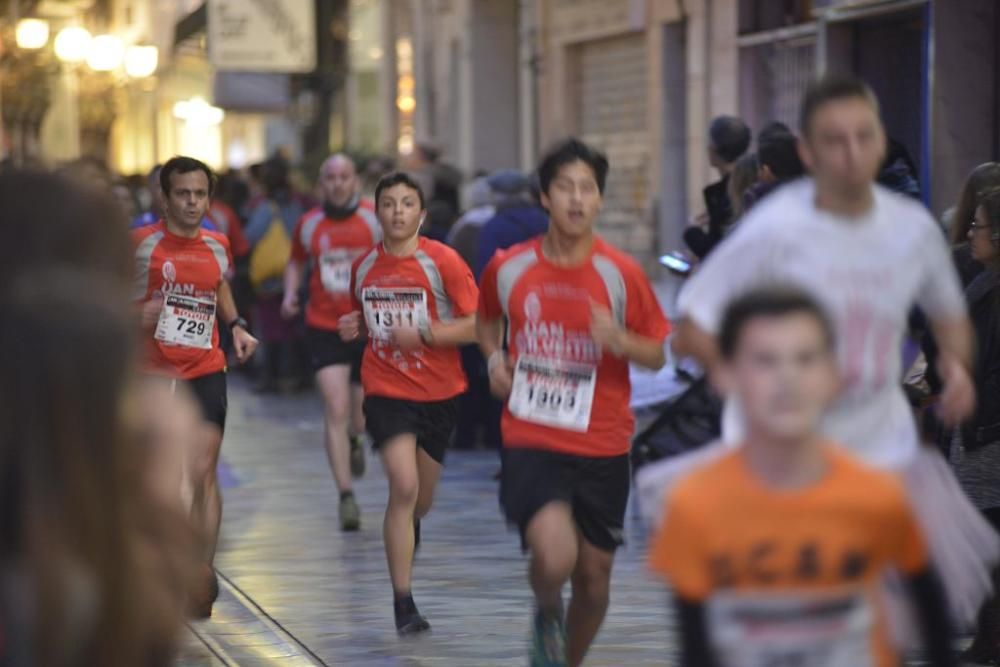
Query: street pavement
point(297, 591)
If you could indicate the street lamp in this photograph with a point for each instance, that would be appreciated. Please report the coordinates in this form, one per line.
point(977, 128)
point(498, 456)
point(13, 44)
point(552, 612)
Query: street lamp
point(106, 53)
point(72, 44)
point(32, 34)
point(141, 61)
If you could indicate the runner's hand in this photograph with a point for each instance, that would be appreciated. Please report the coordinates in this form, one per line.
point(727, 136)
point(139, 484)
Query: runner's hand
point(407, 339)
point(501, 373)
point(244, 344)
point(290, 306)
point(349, 326)
point(958, 396)
point(151, 311)
point(604, 330)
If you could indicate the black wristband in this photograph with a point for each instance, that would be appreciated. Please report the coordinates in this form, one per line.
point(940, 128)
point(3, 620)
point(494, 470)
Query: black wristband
point(239, 322)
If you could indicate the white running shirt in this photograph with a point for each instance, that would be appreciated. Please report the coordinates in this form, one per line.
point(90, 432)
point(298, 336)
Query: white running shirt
point(867, 272)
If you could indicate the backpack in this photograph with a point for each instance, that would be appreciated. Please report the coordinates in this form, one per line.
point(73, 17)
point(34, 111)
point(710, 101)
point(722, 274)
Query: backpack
point(269, 257)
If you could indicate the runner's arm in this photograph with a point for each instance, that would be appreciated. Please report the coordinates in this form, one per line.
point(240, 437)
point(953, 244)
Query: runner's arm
point(488, 333)
point(456, 332)
point(227, 304)
point(641, 350)
point(954, 338)
point(293, 277)
point(695, 650)
point(932, 614)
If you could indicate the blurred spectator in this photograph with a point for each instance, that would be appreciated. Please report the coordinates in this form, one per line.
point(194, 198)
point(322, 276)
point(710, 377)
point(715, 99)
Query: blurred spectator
point(728, 139)
point(982, 178)
point(774, 127)
point(518, 215)
point(777, 163)
point(899, 172)
point(439, 180)
point(464, 234)
point(976, 447)
point(281, 364)
point(95, 557)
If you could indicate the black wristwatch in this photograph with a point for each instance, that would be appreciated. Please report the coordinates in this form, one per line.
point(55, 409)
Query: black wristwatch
point(240, 322)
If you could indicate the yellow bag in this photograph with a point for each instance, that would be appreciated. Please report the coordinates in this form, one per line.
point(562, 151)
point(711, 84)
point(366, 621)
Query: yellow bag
point(270, 256)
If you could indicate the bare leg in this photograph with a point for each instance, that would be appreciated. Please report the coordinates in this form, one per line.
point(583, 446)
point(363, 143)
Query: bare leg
point(591, 581)
point(399, 459)
point(334, 385)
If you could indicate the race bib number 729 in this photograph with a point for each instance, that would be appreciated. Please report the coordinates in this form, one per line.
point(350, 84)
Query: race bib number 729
point(187, 321)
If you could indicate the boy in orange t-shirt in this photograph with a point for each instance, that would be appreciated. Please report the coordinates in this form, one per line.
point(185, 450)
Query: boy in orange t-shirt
point(776, 550)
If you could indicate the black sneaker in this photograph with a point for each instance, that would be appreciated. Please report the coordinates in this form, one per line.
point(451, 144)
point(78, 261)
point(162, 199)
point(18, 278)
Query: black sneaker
point(357, 456)
point(408, 619)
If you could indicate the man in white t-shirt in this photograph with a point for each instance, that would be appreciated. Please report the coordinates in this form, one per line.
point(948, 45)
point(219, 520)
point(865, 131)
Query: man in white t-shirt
point(867, 254)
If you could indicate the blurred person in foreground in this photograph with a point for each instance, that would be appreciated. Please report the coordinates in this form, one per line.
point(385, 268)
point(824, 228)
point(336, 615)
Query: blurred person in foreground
point(775, 551)
point(868, 256)
point(975, 447)
point(106, 526)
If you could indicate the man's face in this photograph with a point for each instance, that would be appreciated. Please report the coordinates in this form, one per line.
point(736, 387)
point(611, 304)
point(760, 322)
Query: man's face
point(783, 374)
point(188, 201)
point(339, 181)
point(573, 200)
point(844, 144)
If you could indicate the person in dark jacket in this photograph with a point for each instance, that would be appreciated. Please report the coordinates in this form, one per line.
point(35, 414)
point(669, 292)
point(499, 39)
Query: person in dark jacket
point(518, 216)
point(728, 139)
point(778, 162)
point(976, 446)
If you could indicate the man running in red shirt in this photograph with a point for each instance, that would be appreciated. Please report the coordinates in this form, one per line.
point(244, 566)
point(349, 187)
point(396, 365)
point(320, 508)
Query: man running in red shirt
point(329, 238)
point(577, 312)
point(181, 286)
point(416, 300)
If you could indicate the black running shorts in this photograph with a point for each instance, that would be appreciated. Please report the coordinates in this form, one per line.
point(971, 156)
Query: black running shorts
point(327, 348)
point(432, 422)
point(210, 392)
point(595, 488)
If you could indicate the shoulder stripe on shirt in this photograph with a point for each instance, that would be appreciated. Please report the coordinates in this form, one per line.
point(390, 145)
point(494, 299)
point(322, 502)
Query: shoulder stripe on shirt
point(309, 228)
point(614, 282)
point(143, 257)
point(372, 221)
point(219, 250)
point(510, 272)
point(363, 268)
point(437, 285)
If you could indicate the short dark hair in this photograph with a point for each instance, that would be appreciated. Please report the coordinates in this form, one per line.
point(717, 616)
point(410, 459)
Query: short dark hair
point(394, 178)
point(779, 153)
point(184, 165)
point(771, 302)
point(829, 88)
point(770, 129)
point(569, 151)
point(730, 137)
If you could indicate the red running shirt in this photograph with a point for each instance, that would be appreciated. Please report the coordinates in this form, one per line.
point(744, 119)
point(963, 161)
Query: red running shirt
point(332, 247)
point(434, 284)
point(569, 395)
point(187, 273)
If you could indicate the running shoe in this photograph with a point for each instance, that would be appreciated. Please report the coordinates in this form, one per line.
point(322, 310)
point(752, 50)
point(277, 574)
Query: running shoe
point(357, 456)
point(548, 641)
point(350, 514)
point(408, 619)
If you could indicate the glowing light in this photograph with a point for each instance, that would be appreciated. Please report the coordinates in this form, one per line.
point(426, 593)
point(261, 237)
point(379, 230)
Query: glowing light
point(72, 44)
point(32, 33)
point(198, 112)
point(141, 61)
point(106, 53)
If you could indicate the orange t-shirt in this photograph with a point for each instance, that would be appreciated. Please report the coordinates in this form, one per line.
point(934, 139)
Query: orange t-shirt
point(789, 574)
point(432, 285)
point(569, 395)
point(187, 273)
point(331, 247)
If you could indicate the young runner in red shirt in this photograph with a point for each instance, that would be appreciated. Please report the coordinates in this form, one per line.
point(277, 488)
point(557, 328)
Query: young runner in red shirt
point(415, 301)
point(577, 311)
point(180, 283)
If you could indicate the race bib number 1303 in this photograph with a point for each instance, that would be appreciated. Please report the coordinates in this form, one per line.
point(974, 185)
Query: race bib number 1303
point(186, 321)
point(553, 392)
